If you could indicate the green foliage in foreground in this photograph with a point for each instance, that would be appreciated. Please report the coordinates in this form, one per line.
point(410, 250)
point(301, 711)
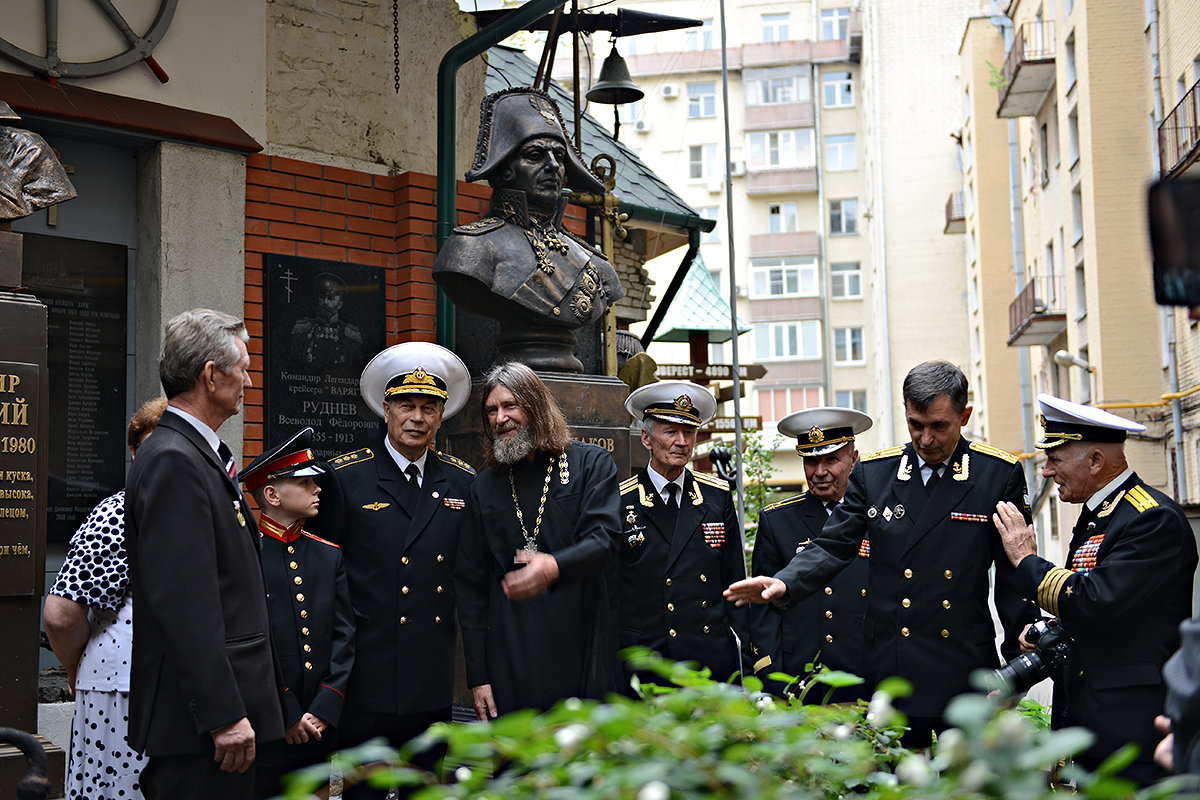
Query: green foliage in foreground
point(703, 739)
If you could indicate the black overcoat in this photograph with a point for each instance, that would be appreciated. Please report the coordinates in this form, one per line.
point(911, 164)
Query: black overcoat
point(202, 655)
point(928, 618)
point(826, 627)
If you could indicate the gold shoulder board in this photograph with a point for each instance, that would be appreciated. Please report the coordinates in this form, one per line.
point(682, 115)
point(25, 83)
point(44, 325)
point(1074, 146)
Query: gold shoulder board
point(995, 452)
point(1140, 499)
point(629, 484)
point(716, 483)
point(887, 452)
point(457, 462)
point(788, 502)
point(480, 226)
point(322, 541)
point(347, 459)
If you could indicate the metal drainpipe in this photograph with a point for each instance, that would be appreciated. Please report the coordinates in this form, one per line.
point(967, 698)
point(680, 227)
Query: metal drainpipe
point(447, 87)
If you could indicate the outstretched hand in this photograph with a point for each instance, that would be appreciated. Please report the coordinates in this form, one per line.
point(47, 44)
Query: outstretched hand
point(759, 589)
point(1016, 535)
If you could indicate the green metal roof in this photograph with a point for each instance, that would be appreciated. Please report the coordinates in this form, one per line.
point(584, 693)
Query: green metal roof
point(698, 308)
point(637, 184)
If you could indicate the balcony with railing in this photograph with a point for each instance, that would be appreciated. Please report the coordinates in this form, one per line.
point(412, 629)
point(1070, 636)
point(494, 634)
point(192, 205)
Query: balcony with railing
point(1038, 315)
point(1179, 135)
point(1028, 70)
point(956, 214)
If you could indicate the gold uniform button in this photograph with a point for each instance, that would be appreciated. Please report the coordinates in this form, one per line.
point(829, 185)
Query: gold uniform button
point(863, 592)
point(945, 633)
point(671, 633)
point(905, 631)
point(303, 614)
point(304, 631)
point(668, 581)
point(703, 578)
point(294, 565)
point(403, 559)
point(404, 620)
point(829, 638)
point(403, 590)
point(308, 665)
point(308, 648)
point(437, 620)
point(440, 590)
point(670, 606)
point(828, 590)
point(706, 629)
point(297, 580)
point(704, 604)
point(949, 574)
point(291, 549)
point(828, 615)
point(300, 598)
point(440, 558)
point(908, 573)
point(906, 602)
point(945, 604)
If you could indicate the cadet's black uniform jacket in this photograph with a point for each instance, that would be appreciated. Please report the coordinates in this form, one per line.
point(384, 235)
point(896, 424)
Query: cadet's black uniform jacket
point(400, 564)
point(672, 577)
point(827, 627)
point(1127, 586)
point(928, 618)
point(312, 620)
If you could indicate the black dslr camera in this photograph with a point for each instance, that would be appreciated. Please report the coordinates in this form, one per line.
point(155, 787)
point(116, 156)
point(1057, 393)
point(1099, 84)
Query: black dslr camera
point(1050, 660)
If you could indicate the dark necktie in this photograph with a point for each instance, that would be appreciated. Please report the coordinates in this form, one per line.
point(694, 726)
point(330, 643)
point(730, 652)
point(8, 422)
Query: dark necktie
point(413, 490)
point(227, 459)
point(673, 499)
point(934, 478)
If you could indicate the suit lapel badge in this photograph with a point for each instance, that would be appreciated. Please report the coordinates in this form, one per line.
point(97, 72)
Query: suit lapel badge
point(872, 512)
point(887, 514)
point(455, 503)
point(904, 472)
point(697, 498)
point(376, 506)
point(803, 544)
point(962, 469)
point(633, 536)
point(714, 534)
point(644, 498)
point(899, 511)
point(241, 518)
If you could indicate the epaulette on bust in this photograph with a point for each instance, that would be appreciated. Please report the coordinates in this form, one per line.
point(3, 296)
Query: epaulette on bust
point(887, 452)
point(788, 502)
point(480, 226)
point(346, 459)
point(716, 483)
point(995, 452)
point(322, 541)
point(1140, 499)
point(629, 484)
point(457, 462)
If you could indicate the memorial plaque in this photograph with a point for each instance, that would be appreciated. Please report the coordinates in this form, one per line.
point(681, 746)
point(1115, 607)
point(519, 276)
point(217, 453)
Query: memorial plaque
point(19, 404)
point(82, 285)
point(325, 321)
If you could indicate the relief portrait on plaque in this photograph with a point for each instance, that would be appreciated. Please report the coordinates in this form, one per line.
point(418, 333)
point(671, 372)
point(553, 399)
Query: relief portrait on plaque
point(322, 317)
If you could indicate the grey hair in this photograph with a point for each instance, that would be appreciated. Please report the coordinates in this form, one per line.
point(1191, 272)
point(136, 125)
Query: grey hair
point(648, 425)
point(927, 382)
point(191, 340)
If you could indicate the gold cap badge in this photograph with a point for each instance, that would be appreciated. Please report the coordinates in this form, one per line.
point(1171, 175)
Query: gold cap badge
point(815, 435)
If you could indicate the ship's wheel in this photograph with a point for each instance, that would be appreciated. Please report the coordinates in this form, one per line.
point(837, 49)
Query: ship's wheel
point(139, 46)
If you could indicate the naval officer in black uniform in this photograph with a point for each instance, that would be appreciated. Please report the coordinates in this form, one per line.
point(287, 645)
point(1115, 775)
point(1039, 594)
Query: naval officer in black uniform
point(825, 629)
point(681, 542)
point(1126, 587)
point(399, 523)
point(926, 507)
point(312, 621)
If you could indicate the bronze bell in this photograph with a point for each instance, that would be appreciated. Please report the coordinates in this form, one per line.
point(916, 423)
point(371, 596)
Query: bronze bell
point(615, 87)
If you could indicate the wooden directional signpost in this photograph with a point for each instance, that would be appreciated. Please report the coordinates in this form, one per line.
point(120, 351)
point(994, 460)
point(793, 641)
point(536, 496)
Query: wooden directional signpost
point(710, 372)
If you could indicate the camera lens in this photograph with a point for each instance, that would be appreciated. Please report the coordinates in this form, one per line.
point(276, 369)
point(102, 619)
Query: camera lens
point(1021, 673)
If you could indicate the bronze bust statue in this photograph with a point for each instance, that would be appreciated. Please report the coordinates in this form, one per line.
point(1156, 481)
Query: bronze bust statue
point(31, 176)
point(518, 264)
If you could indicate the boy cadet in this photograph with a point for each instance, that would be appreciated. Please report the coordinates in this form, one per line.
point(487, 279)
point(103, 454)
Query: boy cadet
point(825, 628)
point(682, 542)
point(312, 621)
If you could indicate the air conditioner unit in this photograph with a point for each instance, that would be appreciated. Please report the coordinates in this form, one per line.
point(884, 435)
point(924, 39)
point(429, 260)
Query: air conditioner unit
point(737, 169)
point(670, 90)
point(715, 185)
point(642, 126)
point(743, 290)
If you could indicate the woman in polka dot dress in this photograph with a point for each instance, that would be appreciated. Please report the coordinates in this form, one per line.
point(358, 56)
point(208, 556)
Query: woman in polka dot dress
point(96, 652)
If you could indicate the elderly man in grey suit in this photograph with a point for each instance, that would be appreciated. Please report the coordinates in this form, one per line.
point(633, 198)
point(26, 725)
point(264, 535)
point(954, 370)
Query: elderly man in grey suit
point(204, 689)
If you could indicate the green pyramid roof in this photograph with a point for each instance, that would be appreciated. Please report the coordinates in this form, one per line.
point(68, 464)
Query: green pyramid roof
point(698, 308)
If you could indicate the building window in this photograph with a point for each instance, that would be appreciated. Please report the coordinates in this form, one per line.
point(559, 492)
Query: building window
point(1073, 137)
point(847, 346)
point(1069, 61)
point(768, 87)
point(702, 100)
point(784, 149)
point(710, 212)
point(837, 89)
point(788, 276)
point(699, 38)
point(782, 218)
point(775, 27)
point(702, 161)
point(1084, 377)
point(630, 112)
point(1077, 213)
point(840, 153)
point(788, 340)
point(851, 398)
point(1044, 152)
point(834, 23)
point(775, 404)
point(843, 216)
point(845, 281)
point(1080, 293)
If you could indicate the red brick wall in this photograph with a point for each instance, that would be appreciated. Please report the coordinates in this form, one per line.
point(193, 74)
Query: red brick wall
point(298, 208)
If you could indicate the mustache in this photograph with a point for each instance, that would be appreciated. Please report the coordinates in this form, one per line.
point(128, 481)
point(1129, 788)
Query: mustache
point(505, 427)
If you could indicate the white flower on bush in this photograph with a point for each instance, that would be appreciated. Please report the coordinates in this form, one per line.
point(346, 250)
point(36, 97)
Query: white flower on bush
point(879, 711)
point(842, 731)
point(568, 737)
point(764, 703)
point(914, 770)
point(462, 774)
point(654, 790)
point(951, 748)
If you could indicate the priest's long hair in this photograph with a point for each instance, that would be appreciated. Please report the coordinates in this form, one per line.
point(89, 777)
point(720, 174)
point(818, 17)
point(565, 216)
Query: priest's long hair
point(546, 420)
